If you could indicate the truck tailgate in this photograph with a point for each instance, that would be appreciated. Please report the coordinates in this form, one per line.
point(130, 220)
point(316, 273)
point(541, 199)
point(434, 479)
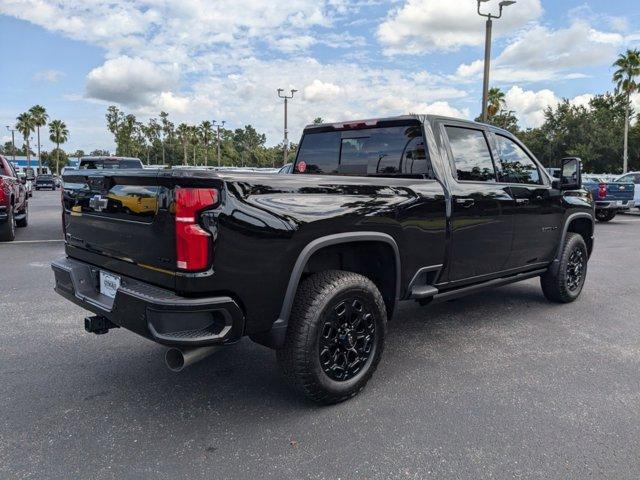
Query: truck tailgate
point(619, 191)
point(120, 214)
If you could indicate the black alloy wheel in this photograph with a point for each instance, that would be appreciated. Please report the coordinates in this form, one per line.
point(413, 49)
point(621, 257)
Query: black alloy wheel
point(563, 282)
point(348, 339)
point(575, 269)
point(335, 336)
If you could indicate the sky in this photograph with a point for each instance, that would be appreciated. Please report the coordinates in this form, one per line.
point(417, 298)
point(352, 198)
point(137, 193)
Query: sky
point(348, 59)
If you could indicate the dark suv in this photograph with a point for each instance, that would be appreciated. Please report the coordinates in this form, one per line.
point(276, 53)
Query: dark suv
point(45, 180)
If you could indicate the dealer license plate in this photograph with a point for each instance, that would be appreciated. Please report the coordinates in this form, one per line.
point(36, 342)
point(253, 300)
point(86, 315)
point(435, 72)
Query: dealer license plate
point(109, 284)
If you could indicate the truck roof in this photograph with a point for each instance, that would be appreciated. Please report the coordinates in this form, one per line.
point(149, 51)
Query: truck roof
point(108, 157)
point(371, 122)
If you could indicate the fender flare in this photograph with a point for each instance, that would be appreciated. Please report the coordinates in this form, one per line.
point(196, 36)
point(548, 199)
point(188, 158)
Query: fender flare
point(274, 338)
point(555, 265)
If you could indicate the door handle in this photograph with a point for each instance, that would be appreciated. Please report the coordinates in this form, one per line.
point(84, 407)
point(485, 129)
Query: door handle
point(465, 202)
point(522, 201)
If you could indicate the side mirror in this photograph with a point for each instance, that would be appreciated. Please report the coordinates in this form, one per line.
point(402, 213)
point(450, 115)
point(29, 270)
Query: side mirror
point(571, 174)
point(23, 179)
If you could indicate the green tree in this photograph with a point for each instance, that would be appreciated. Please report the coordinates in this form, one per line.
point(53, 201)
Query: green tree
point(183, 134)
point(25, 125)
point(100, 153)
point(495, 101)
point(628, 69)
point(318, 121)
point(206, 133)
point(55, 159)
point(58, 133)
point(167, 133)
point(194, 140)
point(40, 118)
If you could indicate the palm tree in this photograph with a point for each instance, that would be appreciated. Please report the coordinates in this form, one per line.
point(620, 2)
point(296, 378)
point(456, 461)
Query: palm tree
point(167, 132)
point(194, 140)
point(495, 101)
point(628, 68)
point(206, 132)
point(183, 134)
point(58, 133)
point(40, 118)
point(25, 125)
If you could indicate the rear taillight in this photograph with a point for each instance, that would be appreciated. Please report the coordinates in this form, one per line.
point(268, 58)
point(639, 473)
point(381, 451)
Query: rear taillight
point(2, 198)
point(193, 244)
point(602, 190)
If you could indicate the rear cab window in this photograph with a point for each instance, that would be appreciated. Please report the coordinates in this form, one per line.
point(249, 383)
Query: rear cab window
point(396, 150)
point(109, 164)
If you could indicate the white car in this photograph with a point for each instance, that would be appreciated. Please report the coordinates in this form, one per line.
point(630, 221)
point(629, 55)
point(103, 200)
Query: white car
point(28, 184)
point(635, 178)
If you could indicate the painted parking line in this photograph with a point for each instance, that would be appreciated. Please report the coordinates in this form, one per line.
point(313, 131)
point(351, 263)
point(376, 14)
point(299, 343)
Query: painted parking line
point(17, 242)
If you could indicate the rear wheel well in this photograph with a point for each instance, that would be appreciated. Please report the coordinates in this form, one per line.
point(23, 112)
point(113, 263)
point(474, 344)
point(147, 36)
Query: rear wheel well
point(375, 260)
point(584, 228)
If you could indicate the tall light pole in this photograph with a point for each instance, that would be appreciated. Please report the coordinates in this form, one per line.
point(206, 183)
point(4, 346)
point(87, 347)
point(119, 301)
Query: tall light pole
point(13, 142)
point(218, 142)
point(286, 131)
point(487, 52)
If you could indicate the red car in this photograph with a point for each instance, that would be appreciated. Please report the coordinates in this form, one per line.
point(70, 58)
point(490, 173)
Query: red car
point(14, 206)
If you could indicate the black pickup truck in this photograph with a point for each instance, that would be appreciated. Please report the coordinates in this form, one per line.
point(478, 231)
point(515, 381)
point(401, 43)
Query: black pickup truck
point(314, 262)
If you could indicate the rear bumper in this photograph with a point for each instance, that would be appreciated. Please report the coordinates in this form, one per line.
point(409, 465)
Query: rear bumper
point(619, 205)
point(152, 312)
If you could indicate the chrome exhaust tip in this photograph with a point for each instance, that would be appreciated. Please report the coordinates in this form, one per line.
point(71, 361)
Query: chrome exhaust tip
point(177, 359)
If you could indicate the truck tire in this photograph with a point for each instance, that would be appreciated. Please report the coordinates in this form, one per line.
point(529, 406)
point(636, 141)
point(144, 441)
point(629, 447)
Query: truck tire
point(605, 215)
point(565, 286)
point(335, 336)
point(24, 221)
point(8, 229)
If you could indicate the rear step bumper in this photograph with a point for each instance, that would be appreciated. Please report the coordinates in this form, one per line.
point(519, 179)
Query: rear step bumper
point(152, 312)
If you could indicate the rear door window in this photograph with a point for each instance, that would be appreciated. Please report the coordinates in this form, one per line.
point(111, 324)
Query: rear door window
point(471, 155)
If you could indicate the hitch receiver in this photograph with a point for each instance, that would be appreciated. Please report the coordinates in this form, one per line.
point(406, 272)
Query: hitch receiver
point(98, 325)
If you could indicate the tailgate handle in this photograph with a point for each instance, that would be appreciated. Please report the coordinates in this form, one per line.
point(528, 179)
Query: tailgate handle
point(465, 202)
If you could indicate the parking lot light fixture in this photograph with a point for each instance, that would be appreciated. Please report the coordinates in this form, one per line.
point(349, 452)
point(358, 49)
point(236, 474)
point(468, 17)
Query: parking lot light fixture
point(13, 142)
point(215, 124)
point(487, 51)
point(286, 131)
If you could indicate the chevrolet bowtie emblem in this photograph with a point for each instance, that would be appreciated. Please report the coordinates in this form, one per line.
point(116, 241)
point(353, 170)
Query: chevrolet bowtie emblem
point(98, 203)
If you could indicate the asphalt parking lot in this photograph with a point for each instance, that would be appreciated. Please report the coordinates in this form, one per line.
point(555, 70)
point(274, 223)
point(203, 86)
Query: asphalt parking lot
point(497, 385)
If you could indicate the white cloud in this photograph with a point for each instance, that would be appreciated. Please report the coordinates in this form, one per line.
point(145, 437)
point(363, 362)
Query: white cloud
point(50, 76)
point(529, 105)
point(321, 91)
point(293, 44)
point(426, 25)
point(541, 53)
point(130, 81)
point(335, 92)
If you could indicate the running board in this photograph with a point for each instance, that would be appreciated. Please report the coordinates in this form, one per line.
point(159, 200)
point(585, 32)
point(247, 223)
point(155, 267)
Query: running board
point(498, 282)
point(423, 291)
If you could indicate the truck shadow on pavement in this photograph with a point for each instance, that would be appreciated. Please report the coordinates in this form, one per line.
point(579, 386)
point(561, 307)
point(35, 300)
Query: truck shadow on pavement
point(245, 376)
